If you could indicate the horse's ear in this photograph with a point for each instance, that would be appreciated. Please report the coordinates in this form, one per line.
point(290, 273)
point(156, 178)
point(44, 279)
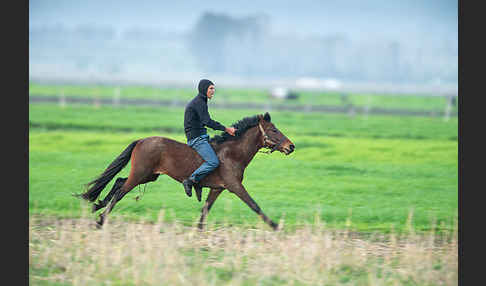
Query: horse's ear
point(267, 117)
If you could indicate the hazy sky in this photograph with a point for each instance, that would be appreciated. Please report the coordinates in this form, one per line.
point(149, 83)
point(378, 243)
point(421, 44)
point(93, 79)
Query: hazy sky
point(414, 40)
point(355, 18)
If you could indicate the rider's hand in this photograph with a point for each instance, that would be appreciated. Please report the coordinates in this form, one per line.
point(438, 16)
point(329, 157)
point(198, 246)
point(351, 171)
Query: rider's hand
point(231, 130)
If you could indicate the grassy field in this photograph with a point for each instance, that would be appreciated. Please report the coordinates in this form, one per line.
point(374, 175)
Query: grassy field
point(387, 101)
point(371, 173)
point(363, 200)
point(160, 119)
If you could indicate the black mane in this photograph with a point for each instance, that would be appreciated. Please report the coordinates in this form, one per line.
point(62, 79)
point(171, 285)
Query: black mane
point(242, 126)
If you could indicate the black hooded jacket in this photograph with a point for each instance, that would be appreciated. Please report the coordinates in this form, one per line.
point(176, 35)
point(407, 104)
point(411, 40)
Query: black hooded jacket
point(196, 115)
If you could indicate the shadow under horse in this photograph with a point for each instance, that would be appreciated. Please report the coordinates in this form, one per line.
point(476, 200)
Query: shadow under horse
point(153, 156)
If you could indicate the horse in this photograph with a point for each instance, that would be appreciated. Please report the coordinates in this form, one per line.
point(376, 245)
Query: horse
point(154, 156)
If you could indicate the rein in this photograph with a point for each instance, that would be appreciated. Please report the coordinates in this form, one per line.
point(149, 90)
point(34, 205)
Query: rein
point(267, 140)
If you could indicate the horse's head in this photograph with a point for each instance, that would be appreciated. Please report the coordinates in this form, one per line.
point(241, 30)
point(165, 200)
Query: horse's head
point(272, 138)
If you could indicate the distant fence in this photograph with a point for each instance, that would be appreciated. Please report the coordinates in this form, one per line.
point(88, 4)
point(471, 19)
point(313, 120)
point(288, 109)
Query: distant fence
point(349, 109)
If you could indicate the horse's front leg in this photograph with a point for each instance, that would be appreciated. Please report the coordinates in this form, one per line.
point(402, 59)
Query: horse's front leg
point(213, 195)
point(239, 190)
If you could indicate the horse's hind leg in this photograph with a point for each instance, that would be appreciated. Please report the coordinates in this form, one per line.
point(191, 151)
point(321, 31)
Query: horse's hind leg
point(119, 193)
point(150, 178)
point(117, 196)
point(101, 204)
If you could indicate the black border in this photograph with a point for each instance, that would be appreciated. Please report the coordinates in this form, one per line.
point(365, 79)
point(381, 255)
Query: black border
point(471, 188)
point(15, 141)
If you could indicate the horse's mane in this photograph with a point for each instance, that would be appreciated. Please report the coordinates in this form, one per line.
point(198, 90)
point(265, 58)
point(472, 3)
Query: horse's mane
point(242, 126)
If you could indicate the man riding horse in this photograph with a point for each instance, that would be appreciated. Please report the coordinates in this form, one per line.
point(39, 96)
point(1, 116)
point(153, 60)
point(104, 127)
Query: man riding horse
point(155, 155)
point(196, 117)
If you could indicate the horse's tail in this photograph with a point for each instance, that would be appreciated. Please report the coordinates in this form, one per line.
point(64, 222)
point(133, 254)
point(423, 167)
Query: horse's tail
point(97, 185)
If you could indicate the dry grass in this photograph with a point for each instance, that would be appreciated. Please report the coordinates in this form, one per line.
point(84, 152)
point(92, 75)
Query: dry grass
point(73, 252)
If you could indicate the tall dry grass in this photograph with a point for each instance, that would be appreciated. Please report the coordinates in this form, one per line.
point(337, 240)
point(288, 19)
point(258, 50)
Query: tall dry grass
point(74, 252)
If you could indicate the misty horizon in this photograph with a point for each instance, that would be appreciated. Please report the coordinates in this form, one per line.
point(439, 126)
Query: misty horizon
point(406, 42)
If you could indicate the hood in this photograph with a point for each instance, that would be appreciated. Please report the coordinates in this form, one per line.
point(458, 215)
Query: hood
point(203, 86)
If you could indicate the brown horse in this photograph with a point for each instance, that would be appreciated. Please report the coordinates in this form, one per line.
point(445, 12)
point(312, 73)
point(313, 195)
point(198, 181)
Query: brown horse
point(153, 156)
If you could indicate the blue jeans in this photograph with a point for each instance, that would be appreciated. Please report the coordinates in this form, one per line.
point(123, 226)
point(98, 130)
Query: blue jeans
point(203, 148)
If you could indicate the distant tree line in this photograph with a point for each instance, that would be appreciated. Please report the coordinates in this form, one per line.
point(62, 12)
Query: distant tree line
point(245, 46)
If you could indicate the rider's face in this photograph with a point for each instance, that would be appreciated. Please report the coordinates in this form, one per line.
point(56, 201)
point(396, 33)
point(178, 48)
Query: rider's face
point(210, 92)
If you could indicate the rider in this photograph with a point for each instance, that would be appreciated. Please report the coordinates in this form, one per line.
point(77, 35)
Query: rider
point(196, 117)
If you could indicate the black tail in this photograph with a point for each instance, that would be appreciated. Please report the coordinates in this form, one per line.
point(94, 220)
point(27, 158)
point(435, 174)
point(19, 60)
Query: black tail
point(97, 185)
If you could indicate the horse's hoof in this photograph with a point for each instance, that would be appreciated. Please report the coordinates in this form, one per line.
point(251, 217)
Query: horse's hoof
point(274, 226)
point(99, 223)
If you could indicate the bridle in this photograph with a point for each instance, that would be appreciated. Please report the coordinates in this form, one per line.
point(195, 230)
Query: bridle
point(267, 142)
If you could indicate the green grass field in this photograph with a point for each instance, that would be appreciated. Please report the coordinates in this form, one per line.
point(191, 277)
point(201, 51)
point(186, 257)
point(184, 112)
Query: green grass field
point(233, 95)
point(370, 173)
point(158, 119)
